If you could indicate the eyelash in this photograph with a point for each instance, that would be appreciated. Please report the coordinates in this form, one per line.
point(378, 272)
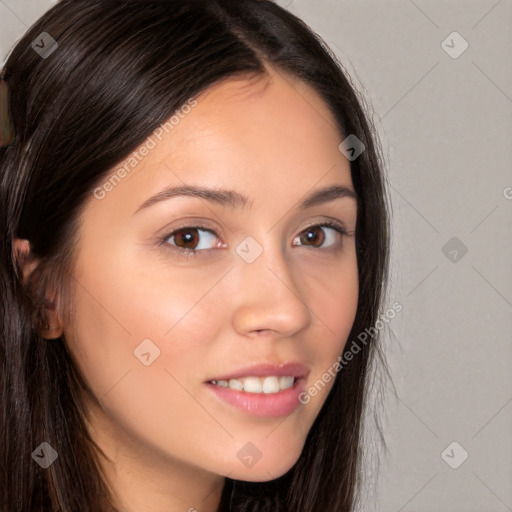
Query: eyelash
point(193, 252)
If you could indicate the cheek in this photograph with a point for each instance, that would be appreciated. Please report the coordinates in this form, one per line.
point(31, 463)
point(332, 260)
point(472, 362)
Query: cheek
point(141, 344)
point(125, 319)
point(337, 301)
point(332, 296)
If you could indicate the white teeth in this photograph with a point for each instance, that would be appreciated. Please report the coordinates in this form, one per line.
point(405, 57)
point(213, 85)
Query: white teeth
point(252, 385)
point(268, 385)
point(271, 385)
point(236, 384)
point(286, 382)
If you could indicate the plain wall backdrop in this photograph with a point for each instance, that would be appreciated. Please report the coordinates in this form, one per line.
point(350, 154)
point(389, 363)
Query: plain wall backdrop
point(437, 76)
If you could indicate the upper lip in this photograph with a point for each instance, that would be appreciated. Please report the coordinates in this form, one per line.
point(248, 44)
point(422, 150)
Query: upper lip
point(297, 370)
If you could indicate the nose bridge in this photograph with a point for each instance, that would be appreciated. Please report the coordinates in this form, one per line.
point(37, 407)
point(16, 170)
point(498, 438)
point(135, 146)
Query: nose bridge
point(270, 296)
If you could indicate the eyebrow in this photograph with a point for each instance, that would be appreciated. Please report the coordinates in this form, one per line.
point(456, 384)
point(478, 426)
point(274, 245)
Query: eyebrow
point(234, 199)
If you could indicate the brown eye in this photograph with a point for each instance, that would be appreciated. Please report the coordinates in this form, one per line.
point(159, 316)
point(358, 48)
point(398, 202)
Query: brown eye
point(186, 238)
point(191, 238)
point(316, 236)
point(313, 235)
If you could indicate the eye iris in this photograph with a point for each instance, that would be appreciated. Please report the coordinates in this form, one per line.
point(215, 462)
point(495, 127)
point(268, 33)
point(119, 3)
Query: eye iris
point(313, 238)
point(185, 235)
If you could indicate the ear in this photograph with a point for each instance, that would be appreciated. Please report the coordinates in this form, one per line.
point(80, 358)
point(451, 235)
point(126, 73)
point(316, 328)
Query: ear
point(49, 323)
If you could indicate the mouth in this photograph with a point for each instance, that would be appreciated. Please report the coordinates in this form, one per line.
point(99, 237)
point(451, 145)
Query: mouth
point(252, 384)
point(264, 390)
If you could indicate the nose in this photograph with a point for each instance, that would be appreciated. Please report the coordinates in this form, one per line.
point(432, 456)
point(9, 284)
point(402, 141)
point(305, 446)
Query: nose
point(269, 298)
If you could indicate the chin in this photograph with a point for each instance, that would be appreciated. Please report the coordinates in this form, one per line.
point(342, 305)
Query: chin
point(263, 471)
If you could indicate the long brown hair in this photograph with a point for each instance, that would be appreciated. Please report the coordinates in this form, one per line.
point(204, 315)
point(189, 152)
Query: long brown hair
point(117, 71)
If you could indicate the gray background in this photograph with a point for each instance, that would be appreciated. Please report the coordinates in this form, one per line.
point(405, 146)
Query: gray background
point(445, 124)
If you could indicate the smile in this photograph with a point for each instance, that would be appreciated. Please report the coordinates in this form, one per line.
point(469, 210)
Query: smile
point(267, 385)
point(269, 397)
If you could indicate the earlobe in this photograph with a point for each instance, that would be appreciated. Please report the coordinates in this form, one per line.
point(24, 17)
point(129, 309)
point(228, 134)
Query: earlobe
point(48, 324)
point(50, 333)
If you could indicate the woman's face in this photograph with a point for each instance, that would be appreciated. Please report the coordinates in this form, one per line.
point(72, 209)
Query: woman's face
point(268, 284)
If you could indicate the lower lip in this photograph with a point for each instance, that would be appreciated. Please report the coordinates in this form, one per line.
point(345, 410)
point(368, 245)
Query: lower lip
point(270, 405)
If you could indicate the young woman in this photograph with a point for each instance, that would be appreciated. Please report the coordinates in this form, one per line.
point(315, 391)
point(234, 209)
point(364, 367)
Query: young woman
point(194, 248)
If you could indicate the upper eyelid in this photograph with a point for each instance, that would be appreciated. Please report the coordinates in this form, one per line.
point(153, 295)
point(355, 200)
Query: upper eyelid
point(213, 230)
point(324, 224)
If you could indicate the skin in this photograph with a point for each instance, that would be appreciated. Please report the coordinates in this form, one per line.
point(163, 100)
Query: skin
point(170, 440)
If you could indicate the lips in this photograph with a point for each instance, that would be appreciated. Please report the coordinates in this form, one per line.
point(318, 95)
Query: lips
point(266, 405)
point(296, 370)
point(271, 400)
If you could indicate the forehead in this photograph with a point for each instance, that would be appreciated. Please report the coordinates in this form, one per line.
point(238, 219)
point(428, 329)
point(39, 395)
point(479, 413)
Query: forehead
point(275, 103)
point(256, 119)
point(269, 136)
